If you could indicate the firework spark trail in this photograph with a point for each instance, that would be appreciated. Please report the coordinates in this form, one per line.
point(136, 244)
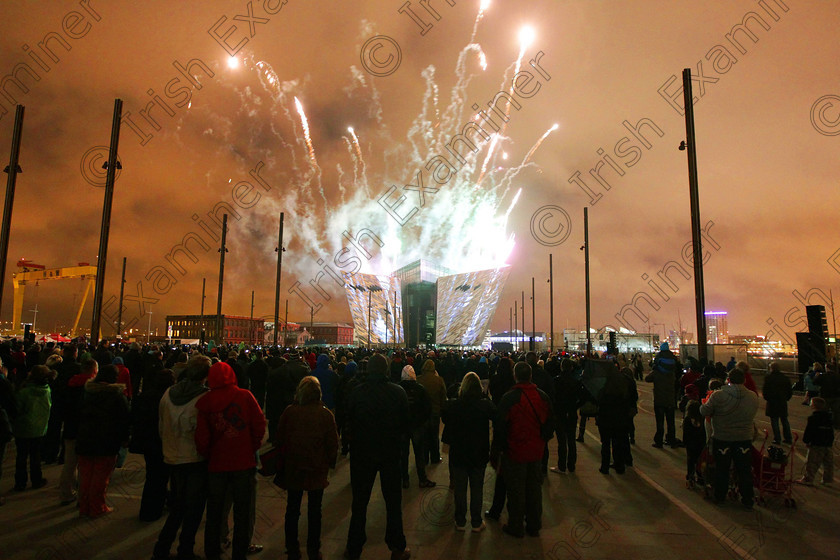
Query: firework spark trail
point(305, 124)
point(317, 168)
point(482, 7)
point(493, 142)
point(536, 146)
point(459, 226)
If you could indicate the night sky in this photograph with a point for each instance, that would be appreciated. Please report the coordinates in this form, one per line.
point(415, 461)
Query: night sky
point(210, 124)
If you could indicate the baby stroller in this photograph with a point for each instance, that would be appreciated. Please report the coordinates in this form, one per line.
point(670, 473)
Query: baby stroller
point(772, 471)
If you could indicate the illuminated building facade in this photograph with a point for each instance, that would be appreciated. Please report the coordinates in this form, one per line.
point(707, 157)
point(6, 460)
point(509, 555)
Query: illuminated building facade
point(424, 303)
point(717, 330)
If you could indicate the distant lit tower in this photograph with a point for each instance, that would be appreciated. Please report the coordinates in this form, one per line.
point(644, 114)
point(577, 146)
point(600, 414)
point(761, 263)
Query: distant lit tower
point(717, 330)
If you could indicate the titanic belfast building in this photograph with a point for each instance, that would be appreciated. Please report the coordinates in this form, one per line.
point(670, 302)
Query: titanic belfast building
point(424, 303)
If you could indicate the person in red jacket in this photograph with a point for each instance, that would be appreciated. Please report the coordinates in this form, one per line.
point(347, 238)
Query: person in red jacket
point(517, 436)
point(229, 431)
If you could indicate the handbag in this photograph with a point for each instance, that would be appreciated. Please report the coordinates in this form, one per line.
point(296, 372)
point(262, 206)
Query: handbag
point(5, 427)
point(589, 408)
point(271, 462)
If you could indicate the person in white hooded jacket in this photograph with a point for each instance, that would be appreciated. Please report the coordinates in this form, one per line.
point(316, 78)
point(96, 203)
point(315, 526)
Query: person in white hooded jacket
point(188, 468)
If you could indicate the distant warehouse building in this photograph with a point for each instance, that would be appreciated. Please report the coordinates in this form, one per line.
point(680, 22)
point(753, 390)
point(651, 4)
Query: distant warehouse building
point(329, 334)
point(235, 329)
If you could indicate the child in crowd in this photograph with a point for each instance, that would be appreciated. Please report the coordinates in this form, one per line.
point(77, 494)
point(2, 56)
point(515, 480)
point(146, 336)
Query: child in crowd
point(819, 437)
point(694, 435)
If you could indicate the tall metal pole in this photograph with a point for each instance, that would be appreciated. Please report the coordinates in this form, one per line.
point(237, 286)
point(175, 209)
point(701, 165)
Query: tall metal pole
point(251, 323)
point(119, 309)
point(533, 341)
point(102, 256)
point(13, 169)
point(277, 283)
point(203, 284)
point(524, 336)
point(586, 264)
point(691, 144)
point(222, 250)
point(515, 326)
point(833, 328)
point(551, 297)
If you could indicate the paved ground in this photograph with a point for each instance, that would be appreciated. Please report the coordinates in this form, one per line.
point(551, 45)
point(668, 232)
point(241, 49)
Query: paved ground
point(646, 513)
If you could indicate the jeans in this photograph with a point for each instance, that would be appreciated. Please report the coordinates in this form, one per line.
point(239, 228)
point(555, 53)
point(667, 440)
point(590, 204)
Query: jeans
point(613, 439)
point(313, 516)
point(664, 414)
point(819, 456)
point(2, 456)
point(524, 495)
point(432, 447)
point(154, 489)
point(218, 483)
point(739, 453)
point(566, 446)
point(252, 520)
point(416, 439)
point(51, 445)
point(28, 448)
point(475, 477)
point(362, 477)
point(774, 423)
point(186, 508)
point(69, 472)
point(499, 495)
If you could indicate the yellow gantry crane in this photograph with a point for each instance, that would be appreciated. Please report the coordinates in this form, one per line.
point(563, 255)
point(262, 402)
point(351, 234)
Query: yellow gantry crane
point(32, 272)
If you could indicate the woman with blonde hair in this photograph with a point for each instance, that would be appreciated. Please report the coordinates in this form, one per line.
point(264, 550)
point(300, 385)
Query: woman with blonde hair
point(308, 439)
point(467, 431)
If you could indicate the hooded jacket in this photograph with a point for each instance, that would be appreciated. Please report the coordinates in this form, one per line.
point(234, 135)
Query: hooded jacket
point(328, 379)
point(72, 398)
point(309, 438)
point(434, 385)
point(33, 411)
point(104, 419)
point(819, 431)
point(177, 419)
point(230, 425)
point(663, 377)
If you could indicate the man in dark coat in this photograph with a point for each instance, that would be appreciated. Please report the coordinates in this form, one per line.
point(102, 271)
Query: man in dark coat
point(777, 391)
point(829, 384)
point(257, 375)
point(568, 397)
point(663, 377)
point(376, 449)
point(420, 411)
point(51, 451)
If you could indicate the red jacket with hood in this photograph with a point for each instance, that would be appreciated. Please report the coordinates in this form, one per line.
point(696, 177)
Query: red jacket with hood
point(230, 425)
